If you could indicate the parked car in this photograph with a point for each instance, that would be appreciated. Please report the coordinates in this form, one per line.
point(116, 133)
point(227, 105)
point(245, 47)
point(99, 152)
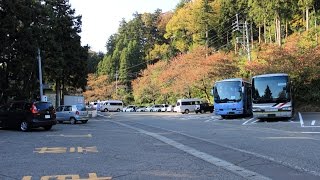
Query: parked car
point(185, 106)
point(204, 107)
point(164, 107)
point(94, 105)
point(157, 108)
point(72, 113)
point(149, 109)
point(111, 105)
point(27, 115)
point(130, 108)
point(141, 109)
point(170, 108)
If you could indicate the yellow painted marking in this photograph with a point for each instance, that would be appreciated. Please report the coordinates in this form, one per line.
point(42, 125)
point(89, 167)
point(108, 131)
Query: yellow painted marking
point(93, 176)
point(26, 177)
point(72, 149)
point(51, 150)
point(87, 149)
point(61, 177)
point(56, 150)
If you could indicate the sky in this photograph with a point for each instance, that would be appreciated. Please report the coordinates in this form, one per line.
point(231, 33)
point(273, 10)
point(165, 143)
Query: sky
point(101, 18)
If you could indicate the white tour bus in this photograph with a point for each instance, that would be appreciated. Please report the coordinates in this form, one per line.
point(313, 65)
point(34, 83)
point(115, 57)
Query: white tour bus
point(272, 96)
point(111, 105)
point(185, 106)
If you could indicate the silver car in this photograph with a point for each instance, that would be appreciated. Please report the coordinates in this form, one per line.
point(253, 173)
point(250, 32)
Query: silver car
point(72, 113)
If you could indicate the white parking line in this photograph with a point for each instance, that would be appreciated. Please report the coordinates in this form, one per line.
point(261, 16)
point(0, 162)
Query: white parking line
point(247, 174)
point(310, 132)
point(248, 121)
point(302, 123)
point(301, 120)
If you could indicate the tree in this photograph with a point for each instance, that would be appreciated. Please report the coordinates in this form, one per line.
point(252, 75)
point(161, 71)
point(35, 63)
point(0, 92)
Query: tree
point(93, 61)
point(18, 35)
point(306, 5)
point(62, 48)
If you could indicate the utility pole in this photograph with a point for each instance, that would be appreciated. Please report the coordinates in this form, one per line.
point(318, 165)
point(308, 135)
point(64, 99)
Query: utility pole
point(244, 39)
point(40, 75)
point(248, 44)
point(236, 28)
point(207, 40)
point(315, 24)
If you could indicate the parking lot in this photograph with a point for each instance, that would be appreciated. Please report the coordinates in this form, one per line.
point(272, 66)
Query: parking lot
point(164, 145)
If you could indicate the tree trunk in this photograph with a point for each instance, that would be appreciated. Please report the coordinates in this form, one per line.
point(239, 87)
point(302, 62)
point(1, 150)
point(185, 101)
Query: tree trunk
point(265, 31)
point(307, 18)
point(251, 34)
point(259, 34)
point(286, 28)
point(276, 30)
point(58, 93)
point(270, 38)
point(205, 91)
point(315, 25)
point(279, 31)
point(62, 92)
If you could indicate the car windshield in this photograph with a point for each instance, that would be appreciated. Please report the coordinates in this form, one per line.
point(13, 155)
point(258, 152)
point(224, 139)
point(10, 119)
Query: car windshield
point(43, 105)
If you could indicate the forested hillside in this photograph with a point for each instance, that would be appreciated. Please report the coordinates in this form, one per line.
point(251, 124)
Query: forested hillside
point(161, 56)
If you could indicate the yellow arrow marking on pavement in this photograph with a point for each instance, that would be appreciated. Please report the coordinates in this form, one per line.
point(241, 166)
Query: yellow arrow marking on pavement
point(92, 176)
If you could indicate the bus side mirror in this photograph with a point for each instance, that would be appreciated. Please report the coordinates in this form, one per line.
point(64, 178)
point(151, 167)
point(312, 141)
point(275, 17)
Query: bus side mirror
point(241, 89)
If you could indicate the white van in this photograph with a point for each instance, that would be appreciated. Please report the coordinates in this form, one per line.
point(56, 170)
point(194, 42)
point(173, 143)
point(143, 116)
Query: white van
point(111, 105)
point(185, 106)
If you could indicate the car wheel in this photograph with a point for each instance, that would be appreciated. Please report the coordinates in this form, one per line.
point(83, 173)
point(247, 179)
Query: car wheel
point(105, 110)
point(118, 110)
point(47, 128)
point(84, 121)
point(73, 120)
point(24, 126)
point(60, 122)
point(159, 110)
point(186, 111)
point(202, 111)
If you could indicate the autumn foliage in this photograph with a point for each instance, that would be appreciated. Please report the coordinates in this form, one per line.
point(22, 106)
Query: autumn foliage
point(193, 74)
point(99, 88)
point(187, 75)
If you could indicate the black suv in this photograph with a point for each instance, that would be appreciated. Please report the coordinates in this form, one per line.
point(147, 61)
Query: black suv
point(26, 115)
point(204, 107)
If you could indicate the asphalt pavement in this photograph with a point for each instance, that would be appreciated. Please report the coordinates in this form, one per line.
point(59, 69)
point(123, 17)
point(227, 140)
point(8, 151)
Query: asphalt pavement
point(158, 145)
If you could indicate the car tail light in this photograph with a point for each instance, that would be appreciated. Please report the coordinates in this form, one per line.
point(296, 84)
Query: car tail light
point(34, 109)
point(77, 113)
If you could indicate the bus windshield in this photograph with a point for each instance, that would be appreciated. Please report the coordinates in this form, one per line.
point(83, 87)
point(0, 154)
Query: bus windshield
point(227, 91)
point(270, 89)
